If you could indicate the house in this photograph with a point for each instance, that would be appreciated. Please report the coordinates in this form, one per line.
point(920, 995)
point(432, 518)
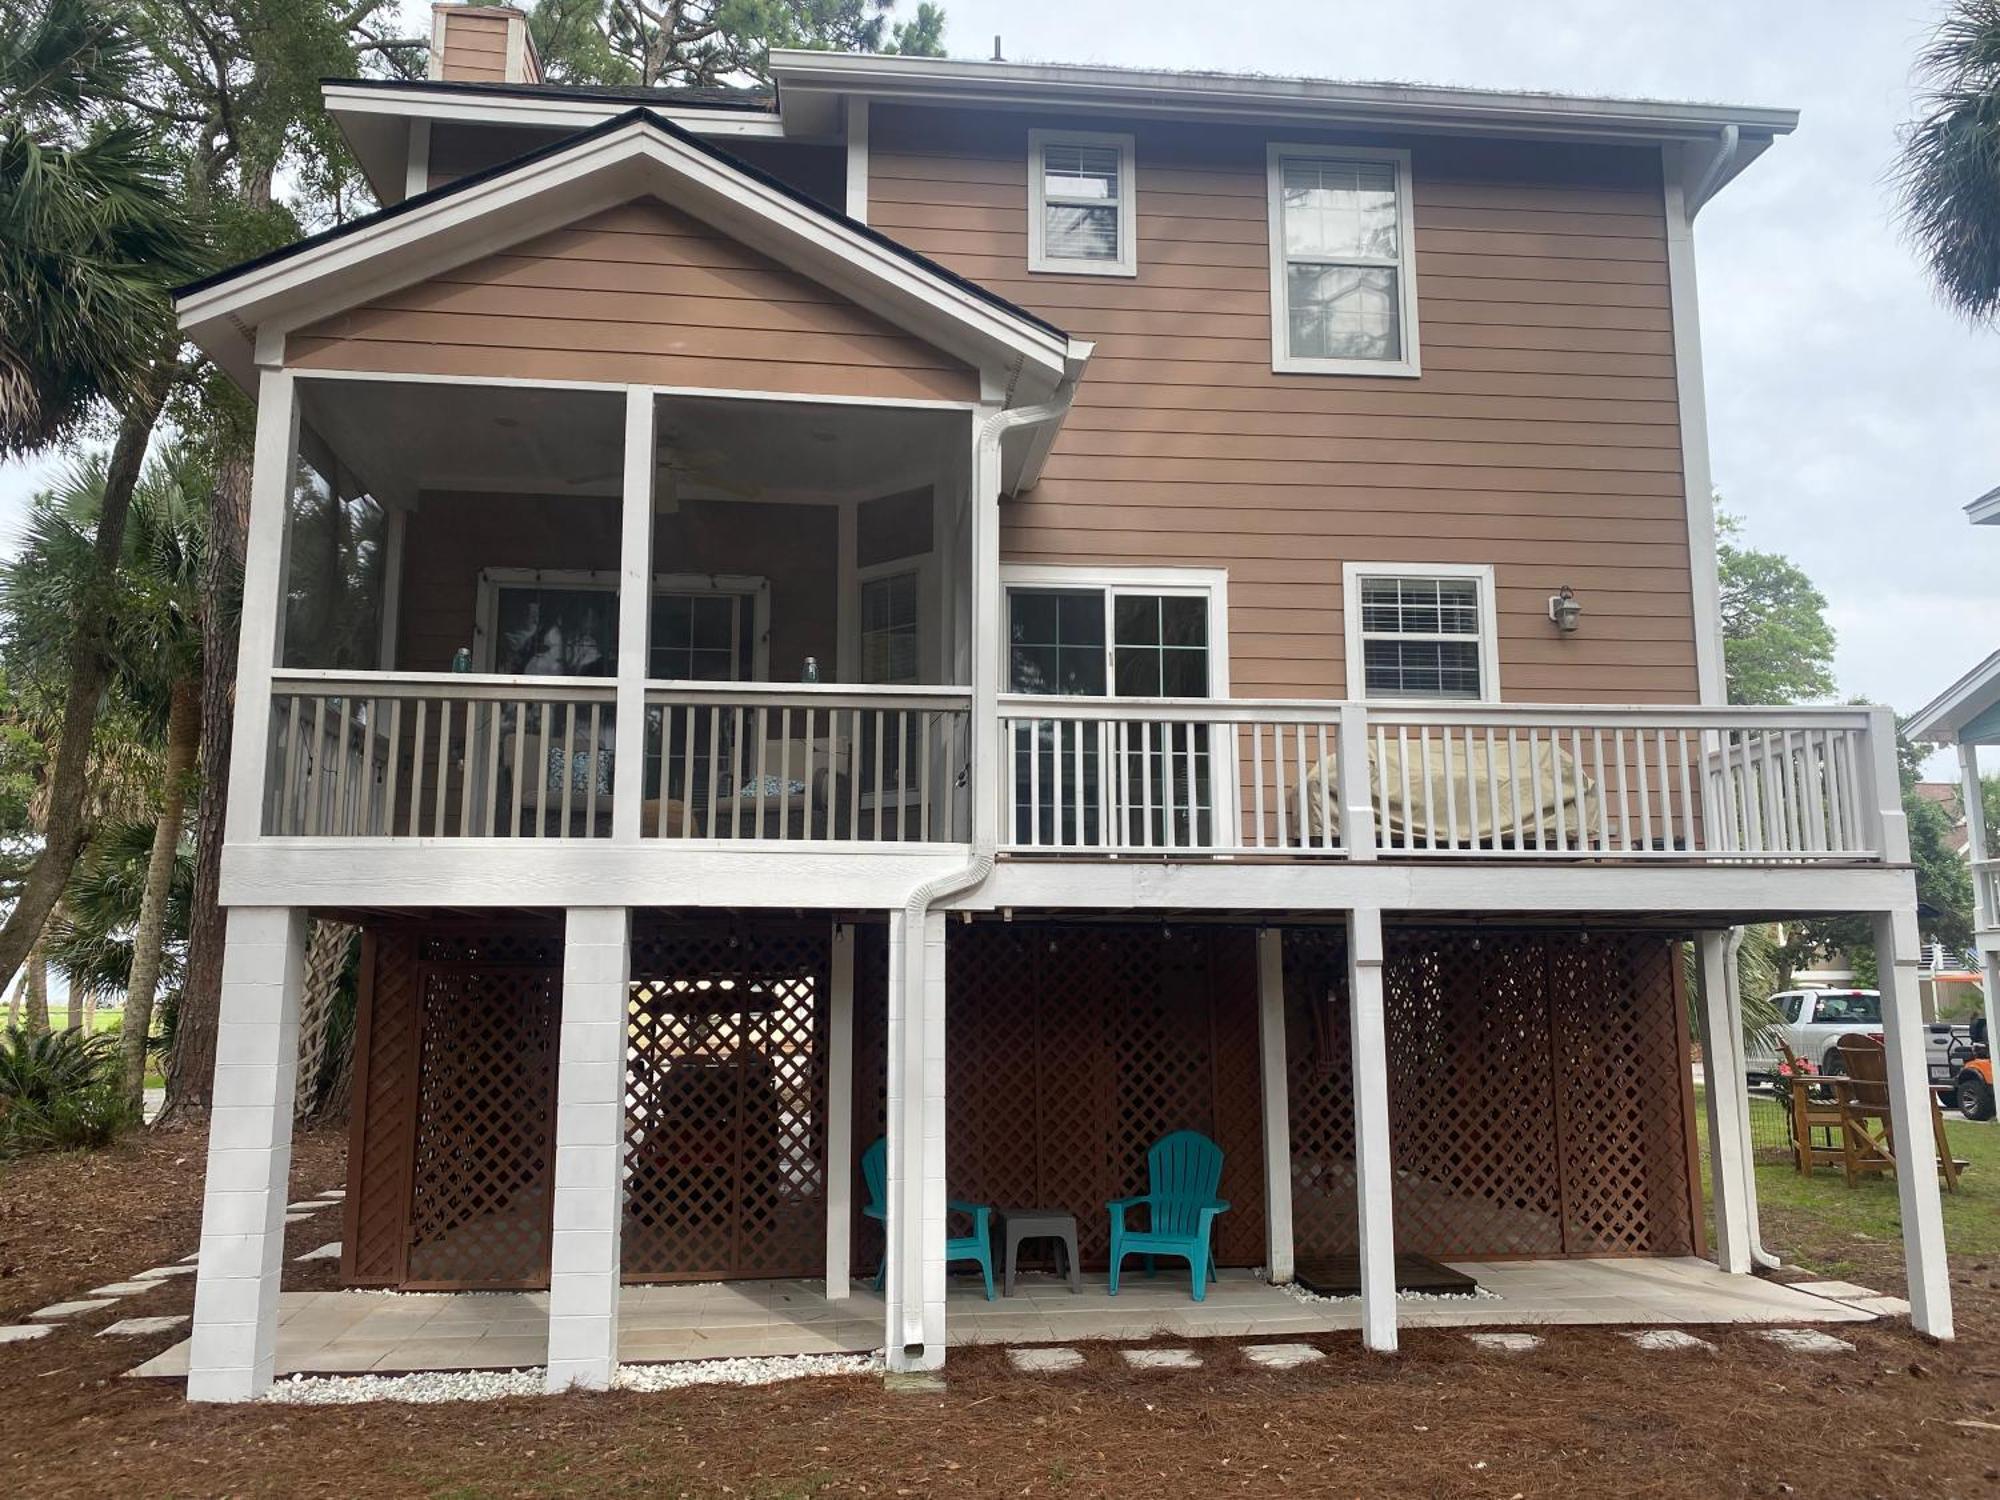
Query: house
point(1013, 609)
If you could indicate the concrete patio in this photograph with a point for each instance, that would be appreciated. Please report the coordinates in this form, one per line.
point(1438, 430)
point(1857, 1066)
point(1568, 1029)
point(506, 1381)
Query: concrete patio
point(348, 1332)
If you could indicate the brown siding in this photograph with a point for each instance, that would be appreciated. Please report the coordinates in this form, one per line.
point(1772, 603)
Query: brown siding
point(636, 293)
point(458, 150)
point(475, 47)
point(1542, 436)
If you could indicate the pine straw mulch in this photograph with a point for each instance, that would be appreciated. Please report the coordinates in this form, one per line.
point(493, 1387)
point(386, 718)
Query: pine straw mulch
point(1586, 1414)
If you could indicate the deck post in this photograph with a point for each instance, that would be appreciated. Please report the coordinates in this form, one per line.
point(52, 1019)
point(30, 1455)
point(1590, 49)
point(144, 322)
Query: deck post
point(840, 1114)
point(1277, 1116)
point(1723, 1097)
point(914, 1327)
point(249, 1155)
point(1372, 1169)
point(590, 1145)
point(1984, 918)
point(635, 621)
point(1910, 1119)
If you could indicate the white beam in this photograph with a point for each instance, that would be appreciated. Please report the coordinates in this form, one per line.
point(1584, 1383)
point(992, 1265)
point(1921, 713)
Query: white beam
point(635, 607)
point(1373, 1170)
point(1277, 1105)
point(840, 1115)
point(1985, 918)
point(249, 1156)
point(395, 529)
point(584, 1261)
point(1725, 1102)
point(1910, 1123)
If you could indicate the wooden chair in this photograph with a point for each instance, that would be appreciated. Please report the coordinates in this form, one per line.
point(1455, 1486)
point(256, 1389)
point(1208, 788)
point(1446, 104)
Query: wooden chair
point(1809, 1114)
point(1869, 1135)
point(1183, 1174)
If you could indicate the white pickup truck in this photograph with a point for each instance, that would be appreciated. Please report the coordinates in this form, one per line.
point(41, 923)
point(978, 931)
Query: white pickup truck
point(1814, 1021)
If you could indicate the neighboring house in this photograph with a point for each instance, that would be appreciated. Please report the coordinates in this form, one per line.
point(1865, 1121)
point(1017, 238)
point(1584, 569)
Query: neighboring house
point(1017, 609)
point(1950, 799)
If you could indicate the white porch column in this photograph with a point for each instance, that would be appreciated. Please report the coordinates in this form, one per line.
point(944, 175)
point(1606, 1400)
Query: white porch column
point(1277, 1105)
point(249, 1155)
point(1910, 1115)
point(1372, 1170)
point(840, 1115)
point(590, 1147)
point(914, 1329)
point(1984, 918)
point(1722, 1062)
point(635, 616)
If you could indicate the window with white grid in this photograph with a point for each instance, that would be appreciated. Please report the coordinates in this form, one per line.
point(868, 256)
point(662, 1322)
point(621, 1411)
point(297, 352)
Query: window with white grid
point(1081, 204)
point(1421, 634)
point(1342, 293)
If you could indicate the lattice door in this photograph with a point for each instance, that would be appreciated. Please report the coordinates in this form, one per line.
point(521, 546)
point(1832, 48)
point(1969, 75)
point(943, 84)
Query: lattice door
point(725, 1135)
point(482, 1179)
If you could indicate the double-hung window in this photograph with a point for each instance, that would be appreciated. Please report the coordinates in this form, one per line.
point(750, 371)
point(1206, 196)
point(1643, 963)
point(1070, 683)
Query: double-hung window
point(1081, 212)
point(1421, 632)
point(1343, 290)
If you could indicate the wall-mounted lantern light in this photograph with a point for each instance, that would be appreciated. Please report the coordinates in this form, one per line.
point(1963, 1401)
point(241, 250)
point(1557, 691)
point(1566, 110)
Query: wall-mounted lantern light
point(1564, 610)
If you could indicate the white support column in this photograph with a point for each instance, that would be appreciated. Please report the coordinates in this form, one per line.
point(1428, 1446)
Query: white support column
point(635, 616)
point(847, 592)
point(914, 1330)
point(1725, 1102)
point(840, 1115)
point(1373, 1172)
point(1277, 1105)
point(395, 528)
point(1746, 1153)
point(262, 611)
point(249, 1155)
point(590, 1147)
point(1910, 1117)
point(1696, 481)
point(1985, 918)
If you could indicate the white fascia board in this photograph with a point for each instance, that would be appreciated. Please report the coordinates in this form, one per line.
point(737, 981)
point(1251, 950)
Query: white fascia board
point(1985, 511)
point(547, 193)
point(1937, 722)
point(802, 74)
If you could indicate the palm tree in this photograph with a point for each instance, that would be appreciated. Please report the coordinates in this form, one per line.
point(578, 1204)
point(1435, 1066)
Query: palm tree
point(93, 233)
point(1949, 171)
point(154, 638)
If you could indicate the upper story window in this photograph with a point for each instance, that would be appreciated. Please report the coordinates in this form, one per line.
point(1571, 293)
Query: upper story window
point(1081, 211)
point(1343, 290)
point(1421, 632)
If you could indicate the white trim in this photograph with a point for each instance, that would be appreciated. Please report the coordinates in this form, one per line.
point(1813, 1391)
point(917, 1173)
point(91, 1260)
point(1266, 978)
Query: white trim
point(1927, 1274)
point(1697, 484)
point(1126, 262)
point(517, 50)
point(434, 68)
point(1405, 265)
point(1939, 721)
point(635, 610)
point(857, 160)
point(507, 105)
point(1724, 1102)
point(1985, 511)
point(750, 586)
point(1351, 575)
point(1374, 1170)
point(267, 538)
point(700, 392)
point(417, 173)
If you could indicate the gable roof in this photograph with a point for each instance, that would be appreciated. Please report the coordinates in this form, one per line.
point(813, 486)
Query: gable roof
point(633, 155)
point(1959, 706)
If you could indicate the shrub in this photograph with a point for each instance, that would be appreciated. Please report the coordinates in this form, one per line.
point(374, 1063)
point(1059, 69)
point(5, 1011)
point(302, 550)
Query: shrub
point(59, 1091)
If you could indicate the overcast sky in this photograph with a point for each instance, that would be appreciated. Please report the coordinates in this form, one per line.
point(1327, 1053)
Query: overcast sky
point(1850, 416)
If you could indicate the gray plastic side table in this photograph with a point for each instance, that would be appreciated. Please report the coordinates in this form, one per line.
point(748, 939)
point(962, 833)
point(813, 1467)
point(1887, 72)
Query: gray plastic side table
point(1018, 1224)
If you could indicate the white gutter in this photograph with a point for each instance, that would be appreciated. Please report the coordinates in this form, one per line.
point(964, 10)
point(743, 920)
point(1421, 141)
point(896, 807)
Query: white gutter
point(907, 1016)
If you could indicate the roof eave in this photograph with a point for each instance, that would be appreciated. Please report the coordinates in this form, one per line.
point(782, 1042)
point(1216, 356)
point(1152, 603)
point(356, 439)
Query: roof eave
point(1938, 722)
point(1985, 511)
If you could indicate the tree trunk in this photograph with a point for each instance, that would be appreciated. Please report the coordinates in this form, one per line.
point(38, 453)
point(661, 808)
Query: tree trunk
point(326, 959)
point(191, 1064)
point(183, 742)
point(89, 670)
point(38, 990)
point(89, 1009)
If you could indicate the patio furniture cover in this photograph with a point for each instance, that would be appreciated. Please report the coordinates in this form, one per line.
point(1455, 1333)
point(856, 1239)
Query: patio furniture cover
point(1475, 781)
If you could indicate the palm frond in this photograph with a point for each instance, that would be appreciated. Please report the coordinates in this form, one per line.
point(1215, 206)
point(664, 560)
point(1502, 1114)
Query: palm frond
point(1948, 172)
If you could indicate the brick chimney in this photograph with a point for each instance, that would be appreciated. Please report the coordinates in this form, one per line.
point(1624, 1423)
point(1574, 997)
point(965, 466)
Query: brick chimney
point(482, 44)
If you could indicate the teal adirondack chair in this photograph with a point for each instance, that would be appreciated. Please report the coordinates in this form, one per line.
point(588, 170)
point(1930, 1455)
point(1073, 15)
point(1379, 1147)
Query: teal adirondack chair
point(1183, 1171)
point(977, 1246)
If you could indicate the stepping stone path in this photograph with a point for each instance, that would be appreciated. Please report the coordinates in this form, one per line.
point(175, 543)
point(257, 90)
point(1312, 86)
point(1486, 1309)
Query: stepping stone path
point(1281, 1356)
point(1162, 1359)
point(1507, 1343)
point(158, 1273)
point(20, 1333)
point(1654, 1340)
point(132, 1328)
point(71, 1309)
point(328, 1251)
point(1044, 1361)
point(124, 1288)
point(304, 1206)
point(1804, 1340)
point(1861, 1298)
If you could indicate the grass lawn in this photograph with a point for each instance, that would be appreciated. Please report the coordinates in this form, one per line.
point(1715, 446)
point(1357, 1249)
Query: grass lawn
point(1821, 1223)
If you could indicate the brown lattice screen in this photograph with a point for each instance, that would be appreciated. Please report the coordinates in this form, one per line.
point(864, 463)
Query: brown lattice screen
point(1537, 1101)
point(725, 1126)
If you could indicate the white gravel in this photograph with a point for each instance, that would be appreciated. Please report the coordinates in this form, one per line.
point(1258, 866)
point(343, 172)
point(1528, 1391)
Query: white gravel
point(432, 1387)
point(1478, 1294)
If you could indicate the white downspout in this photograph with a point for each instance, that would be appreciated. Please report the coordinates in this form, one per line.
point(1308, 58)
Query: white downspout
point(906, 1000)
point(1732, 950)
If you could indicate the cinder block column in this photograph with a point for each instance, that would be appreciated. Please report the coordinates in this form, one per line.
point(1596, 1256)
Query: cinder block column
point(1910, 1114)
point(1723, 1099)
point(1373, 1171)
point(1277, 1105)
point(590, 1146)
point(915, 1326)
point(249, 1155)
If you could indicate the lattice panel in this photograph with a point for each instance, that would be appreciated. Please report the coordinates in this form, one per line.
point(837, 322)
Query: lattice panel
point(871, 1080)
point(726, 1104)
point(1320, 1079)
point(482, 1193)
point(377, 1209)
point(532, 943)
point(1620, 1107)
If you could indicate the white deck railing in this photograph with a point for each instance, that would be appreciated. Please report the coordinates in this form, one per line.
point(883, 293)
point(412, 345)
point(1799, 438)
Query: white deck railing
point(1263, 777)
point(1986, 893)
